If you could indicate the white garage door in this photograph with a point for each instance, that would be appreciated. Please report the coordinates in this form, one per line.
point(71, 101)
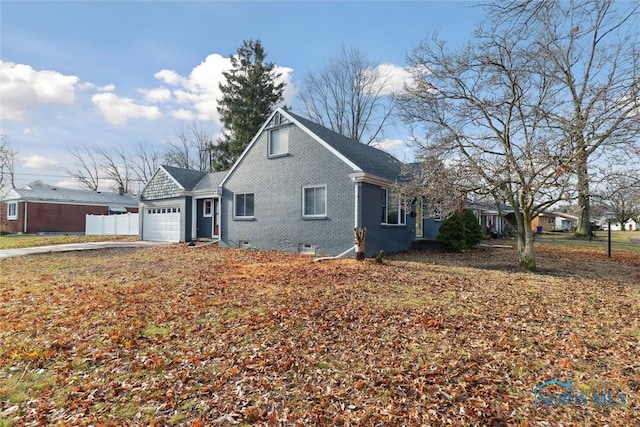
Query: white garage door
point(161, 224)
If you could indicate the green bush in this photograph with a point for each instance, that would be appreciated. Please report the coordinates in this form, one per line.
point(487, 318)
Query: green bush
point(452, 235)
point(472, 229)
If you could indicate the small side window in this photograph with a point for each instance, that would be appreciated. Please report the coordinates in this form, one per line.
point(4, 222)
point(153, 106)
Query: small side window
point(12, 210)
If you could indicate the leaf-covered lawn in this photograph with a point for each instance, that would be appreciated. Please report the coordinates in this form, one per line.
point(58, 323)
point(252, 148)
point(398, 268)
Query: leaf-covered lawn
point(30, 240)
point(207, 336)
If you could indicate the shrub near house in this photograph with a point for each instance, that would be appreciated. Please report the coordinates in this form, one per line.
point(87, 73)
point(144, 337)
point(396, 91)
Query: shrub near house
point(458, 232)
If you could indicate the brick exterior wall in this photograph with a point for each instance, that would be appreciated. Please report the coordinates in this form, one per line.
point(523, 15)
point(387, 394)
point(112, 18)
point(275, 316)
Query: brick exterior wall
point(548, 223)
point(53, 217)
point(277, 187)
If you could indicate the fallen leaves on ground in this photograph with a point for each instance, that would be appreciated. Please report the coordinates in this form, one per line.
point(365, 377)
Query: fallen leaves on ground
point(15, 241)
point(209, 336)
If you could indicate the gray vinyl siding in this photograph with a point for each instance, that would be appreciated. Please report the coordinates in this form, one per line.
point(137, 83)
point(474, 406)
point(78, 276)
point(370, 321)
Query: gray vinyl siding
point(431, 228)
point(277, 185)
point(187, 223)
point(389, 238)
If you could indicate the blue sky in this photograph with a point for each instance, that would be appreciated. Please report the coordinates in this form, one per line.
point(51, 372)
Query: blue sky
point(105, 73)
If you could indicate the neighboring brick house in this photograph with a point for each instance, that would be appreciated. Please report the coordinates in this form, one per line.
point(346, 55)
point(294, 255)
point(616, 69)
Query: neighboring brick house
point(42, 208)
point(298, 186)
point(544, 222)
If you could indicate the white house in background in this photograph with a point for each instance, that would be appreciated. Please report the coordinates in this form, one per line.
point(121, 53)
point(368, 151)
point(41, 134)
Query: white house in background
point(565, 222)
point(630, 225)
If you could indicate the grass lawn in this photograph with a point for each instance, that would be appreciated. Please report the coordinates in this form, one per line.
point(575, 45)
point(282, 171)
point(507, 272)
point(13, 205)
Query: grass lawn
point(15, 241)
point(208, 336)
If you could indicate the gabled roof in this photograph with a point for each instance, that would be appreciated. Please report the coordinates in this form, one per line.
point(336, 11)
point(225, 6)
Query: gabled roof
point(368, 159)
point(210, 181)
point(39, 191)
point(566, 215)
point(186, 178)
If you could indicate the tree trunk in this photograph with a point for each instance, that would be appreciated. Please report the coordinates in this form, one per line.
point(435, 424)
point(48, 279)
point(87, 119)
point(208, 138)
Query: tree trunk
point(360, 238)
point(526, 256)
point(583, 227)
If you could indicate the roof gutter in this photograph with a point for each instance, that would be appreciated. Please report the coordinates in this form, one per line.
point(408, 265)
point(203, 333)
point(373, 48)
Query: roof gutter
point(369, 179)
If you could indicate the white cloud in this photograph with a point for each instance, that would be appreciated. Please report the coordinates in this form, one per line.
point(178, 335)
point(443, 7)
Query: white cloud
point(183, 114)
point(396, 147)
point(88, 85)
point(107, 88)
point(38, 162)
point(199, 91)
point(157, 95)
point(395, 78)
point(26, 131)
point(118, 110)
point(169, 77)
point(69, 183)
point(388, 144)
point(23, 89)
point(290, 91)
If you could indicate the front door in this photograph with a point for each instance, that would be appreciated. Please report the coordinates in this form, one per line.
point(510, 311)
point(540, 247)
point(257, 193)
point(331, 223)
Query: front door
point(205, 213)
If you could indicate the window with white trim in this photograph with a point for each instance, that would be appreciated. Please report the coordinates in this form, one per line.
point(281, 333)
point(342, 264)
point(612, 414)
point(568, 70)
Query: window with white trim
point(314, 201)
point(243, 205)
point(278, 141)
point(392, 211)
point(207, 208)
point(12, 210)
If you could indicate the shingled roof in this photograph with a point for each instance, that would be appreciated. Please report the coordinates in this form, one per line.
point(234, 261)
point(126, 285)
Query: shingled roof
point(39, 191)
point(210, 180)
point(368, 159)
point(187, 178)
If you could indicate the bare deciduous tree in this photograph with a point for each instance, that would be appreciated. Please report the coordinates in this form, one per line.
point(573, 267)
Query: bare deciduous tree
point(349, 96)
point(7, 164)
point(145, 162)
point(623, 196)
point(87, 168)
point(192, 151)
point(590, 50)
point(482, 109)
point(116, 167)
point(441, 188)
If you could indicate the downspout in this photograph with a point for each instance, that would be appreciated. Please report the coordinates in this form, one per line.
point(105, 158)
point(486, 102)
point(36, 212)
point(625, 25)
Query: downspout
point(356, 224)
point(356, 221)
point(335, 257)
point(24, 226)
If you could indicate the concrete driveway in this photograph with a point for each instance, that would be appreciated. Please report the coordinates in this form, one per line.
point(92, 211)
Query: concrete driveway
point(7, 253)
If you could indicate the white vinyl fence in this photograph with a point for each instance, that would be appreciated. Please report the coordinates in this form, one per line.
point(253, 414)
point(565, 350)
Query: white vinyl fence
point(112, 225)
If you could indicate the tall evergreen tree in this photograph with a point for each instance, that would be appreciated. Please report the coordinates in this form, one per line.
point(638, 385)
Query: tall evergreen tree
point(249, 95)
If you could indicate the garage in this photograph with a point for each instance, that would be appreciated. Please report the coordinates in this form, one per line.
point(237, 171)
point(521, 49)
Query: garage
point(161, 224)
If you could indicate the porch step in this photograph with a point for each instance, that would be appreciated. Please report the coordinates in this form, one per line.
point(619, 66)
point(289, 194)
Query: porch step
point(426, 244)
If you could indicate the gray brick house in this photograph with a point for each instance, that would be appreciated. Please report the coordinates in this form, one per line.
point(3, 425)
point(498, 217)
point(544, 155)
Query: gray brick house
point(299, 187)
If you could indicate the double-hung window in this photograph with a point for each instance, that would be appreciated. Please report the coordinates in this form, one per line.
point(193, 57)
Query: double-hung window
point(314, 201)
point(278, 141)
point(392, 211)
point(243, 205)
point(12, 210)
